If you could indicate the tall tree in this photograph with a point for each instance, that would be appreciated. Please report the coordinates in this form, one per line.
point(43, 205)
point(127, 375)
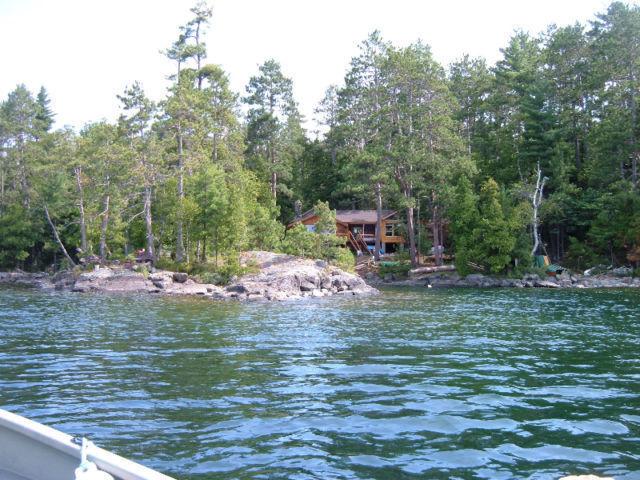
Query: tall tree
point(20, 128)
point(274, 133)
point(135, 123)
point(470, 82)
point(360, 108)
point(423, 150)
point(616, 44)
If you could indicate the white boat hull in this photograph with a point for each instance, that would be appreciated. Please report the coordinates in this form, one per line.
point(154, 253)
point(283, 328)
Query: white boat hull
point(32, 451)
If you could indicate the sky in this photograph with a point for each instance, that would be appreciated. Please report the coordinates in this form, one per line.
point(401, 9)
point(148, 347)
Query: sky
point(85, 52)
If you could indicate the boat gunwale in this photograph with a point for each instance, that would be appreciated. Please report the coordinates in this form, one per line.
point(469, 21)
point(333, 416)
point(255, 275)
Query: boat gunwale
point(107, 461)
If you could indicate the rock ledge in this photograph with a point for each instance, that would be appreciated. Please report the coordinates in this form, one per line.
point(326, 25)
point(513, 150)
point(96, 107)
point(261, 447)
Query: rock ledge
point(278, 277)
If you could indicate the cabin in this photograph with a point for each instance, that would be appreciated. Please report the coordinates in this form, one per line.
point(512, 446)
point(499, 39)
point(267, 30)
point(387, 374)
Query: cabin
point(359, 227)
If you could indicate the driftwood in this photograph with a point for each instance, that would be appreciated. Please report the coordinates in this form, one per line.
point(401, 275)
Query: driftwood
point(424, 270)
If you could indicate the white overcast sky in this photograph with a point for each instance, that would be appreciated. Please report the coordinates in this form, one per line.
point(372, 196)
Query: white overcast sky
point(86, 51)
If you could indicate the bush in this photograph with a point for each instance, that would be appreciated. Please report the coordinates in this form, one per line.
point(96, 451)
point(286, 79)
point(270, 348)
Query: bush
point(326, 246)
point(299, 242)
point(220, 274)
point(579, 255)
point(344, 259)
point(172, 266)
point(399, 269)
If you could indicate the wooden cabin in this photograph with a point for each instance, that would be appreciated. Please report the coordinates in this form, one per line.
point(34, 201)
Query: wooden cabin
point(359, 227)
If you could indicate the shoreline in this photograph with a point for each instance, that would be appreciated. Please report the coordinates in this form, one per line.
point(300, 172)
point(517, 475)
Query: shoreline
point(279, 277)
point(476, 280)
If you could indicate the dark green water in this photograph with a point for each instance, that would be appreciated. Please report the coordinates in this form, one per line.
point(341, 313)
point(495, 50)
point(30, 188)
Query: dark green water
point(494, 384)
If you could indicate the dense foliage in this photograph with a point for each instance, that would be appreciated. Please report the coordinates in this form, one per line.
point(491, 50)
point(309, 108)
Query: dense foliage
point(455, 150)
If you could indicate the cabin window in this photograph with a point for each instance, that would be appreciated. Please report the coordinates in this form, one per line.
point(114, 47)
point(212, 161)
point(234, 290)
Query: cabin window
point(311, 228)
point(369, 229)
point(390, 230)
point(356, 229)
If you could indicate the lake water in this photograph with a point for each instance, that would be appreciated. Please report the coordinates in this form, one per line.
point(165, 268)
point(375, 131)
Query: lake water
point(494, 384)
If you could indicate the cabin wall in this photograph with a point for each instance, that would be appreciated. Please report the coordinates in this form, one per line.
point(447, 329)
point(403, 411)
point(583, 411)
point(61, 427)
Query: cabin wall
point(311, 220)
point(343, 229)
point(390, 238)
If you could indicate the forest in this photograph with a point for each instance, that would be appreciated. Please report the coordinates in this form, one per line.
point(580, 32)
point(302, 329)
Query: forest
point(537, 153)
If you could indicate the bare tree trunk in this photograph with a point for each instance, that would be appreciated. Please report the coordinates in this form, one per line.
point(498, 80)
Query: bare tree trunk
point(57, 237)
point(103, 228)
point(378, 245)
point(274, 175)
point(2, 181)
point(198, 56)
point(179, 233)
point(274, 184)
point(412, 237)
point(633, 140)
point(536, 201)
point(188, 249)
point(148, 221)
point(435, 229)
point(468, 136)
point(578, 160)
point(83, 222)
point(24, 184)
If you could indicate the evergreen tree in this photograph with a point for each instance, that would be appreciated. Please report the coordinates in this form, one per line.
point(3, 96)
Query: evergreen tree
point(274, 132)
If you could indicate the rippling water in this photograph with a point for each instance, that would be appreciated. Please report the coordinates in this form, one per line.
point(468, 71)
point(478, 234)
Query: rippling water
point(494, 384)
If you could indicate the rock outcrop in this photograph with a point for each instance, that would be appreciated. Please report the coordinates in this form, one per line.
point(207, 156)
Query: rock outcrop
point(478, 280)
point(277, 277)
point(282, 277)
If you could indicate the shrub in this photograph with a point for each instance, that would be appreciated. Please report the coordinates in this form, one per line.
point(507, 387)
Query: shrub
point(579, 255)
point(399, 269)
point(343, 259)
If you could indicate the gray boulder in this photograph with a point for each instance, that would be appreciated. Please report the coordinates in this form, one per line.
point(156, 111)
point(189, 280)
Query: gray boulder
point(180, 277)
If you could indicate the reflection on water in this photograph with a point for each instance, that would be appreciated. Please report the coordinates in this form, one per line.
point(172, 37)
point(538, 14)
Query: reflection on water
point(494, 384)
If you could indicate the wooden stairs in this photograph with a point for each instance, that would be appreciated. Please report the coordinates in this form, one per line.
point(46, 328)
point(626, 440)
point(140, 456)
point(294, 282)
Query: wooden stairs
point(358, 244)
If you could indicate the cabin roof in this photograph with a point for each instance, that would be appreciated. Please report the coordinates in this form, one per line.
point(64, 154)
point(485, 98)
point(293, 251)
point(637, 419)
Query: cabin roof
point(351, 216)
point(361, 216)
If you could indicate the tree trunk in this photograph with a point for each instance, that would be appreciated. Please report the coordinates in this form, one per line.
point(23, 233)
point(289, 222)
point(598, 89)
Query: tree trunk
point(633, 140)
point(24, 184)
point(423, 270)
point(378, 245)
point(179, 233)
point(412, 237)
point(57, 237)
point(83, 222)
point(103, 228)
point(274, 174)
point(148, 222)
point(536, 201)
point(435, 229)
point(2, 181)
point(578, 163)
point(274, 185)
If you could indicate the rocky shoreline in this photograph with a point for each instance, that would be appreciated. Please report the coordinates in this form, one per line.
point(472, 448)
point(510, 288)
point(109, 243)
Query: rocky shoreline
point(477, 280)
point(285, 277)
point(278, 277)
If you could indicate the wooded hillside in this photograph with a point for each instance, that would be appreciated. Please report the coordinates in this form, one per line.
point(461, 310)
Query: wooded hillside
point(191, 178)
